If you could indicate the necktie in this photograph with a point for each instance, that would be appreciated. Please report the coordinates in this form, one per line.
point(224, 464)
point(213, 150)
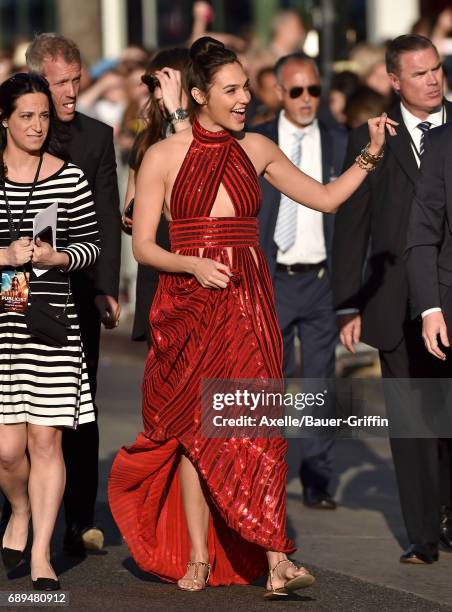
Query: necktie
point(286, 223)
point(424, 127)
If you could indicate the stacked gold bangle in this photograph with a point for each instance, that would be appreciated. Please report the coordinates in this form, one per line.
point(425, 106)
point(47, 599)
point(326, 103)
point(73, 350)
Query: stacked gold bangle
point(368, 162)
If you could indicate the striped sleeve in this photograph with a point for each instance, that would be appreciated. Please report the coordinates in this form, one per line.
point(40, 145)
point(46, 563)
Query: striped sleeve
point(83, 234)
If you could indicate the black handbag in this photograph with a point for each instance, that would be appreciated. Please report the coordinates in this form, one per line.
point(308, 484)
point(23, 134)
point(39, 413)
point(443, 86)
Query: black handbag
point(47, 324)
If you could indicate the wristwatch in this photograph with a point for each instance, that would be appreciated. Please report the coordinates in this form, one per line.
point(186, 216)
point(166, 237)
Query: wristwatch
point(180, 114)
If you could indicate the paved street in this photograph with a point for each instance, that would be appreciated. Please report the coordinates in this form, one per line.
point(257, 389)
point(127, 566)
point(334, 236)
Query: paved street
point(353, 551)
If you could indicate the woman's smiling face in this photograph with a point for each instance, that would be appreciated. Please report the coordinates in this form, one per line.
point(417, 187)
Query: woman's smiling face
point(227, 98)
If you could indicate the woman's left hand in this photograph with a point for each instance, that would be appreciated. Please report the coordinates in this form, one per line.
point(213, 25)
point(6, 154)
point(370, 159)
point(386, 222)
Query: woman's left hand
point(45, 257)
point(377, 131)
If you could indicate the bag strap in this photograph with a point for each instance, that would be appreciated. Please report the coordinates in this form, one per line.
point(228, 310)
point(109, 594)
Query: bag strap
point(13, 229)
point(68, 294)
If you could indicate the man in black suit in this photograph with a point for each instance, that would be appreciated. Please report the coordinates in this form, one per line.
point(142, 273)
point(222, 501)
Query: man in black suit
point(429, 265)
point(379, 210)
point(297, 243)
point(90, 146)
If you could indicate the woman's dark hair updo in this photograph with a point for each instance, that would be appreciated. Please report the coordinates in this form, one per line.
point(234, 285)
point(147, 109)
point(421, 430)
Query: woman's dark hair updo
point(14, 88)
point(207, 56)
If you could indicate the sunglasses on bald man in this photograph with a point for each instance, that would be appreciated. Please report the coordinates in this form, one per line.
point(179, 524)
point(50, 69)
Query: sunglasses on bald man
point(313, 90)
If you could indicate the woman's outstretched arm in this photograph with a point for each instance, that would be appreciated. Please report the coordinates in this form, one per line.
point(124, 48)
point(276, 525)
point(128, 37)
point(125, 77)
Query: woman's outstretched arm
point(287, 178)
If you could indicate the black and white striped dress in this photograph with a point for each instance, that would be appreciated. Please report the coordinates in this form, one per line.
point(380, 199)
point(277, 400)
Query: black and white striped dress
point(40, 384)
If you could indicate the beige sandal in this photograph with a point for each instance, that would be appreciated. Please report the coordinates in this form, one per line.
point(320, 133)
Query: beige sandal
point(293, 584)
point(195, 579)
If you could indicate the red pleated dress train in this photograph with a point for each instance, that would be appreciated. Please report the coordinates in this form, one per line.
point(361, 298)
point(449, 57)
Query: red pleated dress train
point(200, 333)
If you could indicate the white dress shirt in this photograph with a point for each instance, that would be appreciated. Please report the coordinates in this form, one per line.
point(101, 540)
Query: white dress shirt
point(309, 246)
point(411, 122)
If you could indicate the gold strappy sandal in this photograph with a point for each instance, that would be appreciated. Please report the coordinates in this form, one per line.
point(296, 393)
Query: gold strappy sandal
point(293, 584)
point(195, 579)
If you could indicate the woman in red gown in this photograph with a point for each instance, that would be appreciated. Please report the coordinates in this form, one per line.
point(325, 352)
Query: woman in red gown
point(190, 508)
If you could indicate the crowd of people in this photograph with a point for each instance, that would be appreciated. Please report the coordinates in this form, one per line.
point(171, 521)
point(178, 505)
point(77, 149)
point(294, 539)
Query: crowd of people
point(231, 270)
point(112, 90)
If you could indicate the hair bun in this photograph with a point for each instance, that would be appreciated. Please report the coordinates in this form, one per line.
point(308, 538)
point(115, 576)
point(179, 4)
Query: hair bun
point(204, 47)
point(207, 57)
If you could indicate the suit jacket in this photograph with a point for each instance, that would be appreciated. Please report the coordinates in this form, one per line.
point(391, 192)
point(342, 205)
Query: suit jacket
point(378, 211)
point(90, 146)
point(429, 239)
point(147, 277)
point(146, 287)
point(333, 143)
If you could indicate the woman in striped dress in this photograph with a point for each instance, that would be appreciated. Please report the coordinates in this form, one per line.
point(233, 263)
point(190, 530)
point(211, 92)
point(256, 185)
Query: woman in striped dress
point(42, 387)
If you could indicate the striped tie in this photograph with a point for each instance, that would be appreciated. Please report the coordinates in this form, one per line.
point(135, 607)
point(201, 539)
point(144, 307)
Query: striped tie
point(424, 127)
point(286, 223)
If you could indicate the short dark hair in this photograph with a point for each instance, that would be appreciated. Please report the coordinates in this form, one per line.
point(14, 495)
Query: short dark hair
point(346, 82)
point(298, 56)
point(363, 104)
point(404, 44)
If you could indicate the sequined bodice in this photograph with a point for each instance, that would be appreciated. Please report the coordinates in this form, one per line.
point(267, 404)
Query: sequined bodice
point(214, 158)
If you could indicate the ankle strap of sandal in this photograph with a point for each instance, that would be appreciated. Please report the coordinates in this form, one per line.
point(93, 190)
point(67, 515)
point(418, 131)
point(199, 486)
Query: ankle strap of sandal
point(196, 565)
point(270, 573)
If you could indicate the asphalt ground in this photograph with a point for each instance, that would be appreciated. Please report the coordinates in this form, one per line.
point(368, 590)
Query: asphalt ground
point(113, 582)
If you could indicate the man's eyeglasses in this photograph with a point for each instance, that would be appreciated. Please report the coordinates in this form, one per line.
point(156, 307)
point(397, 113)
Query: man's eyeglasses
point(151, 82)
point(313, 90)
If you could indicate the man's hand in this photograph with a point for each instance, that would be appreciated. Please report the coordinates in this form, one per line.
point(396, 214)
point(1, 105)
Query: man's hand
point(109, 310)
point(434, 325)
point(349, 330)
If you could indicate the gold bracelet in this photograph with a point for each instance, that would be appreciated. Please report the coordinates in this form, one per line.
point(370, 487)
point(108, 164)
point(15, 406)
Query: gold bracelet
point(367, 161)
point(372, 159)
point(364, 164)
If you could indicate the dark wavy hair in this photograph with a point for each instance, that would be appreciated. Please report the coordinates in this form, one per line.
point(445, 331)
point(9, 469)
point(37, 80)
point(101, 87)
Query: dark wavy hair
point(14, 88)
point(176, 58)
point(207, 56)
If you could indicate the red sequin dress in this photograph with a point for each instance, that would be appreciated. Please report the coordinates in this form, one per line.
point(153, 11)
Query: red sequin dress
point(203, 333)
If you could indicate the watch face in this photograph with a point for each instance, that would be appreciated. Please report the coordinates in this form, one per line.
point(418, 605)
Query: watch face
point(179, 114)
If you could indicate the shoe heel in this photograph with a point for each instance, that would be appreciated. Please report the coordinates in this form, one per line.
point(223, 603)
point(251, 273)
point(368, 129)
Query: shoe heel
point(11, 558)
point(46, 584)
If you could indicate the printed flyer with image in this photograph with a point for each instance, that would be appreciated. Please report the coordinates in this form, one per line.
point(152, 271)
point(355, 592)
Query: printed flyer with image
point(13, 291)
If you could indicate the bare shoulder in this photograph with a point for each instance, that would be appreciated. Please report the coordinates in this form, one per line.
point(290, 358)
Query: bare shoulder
point(167, 151)
point(255, 139)
point(259, 148)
